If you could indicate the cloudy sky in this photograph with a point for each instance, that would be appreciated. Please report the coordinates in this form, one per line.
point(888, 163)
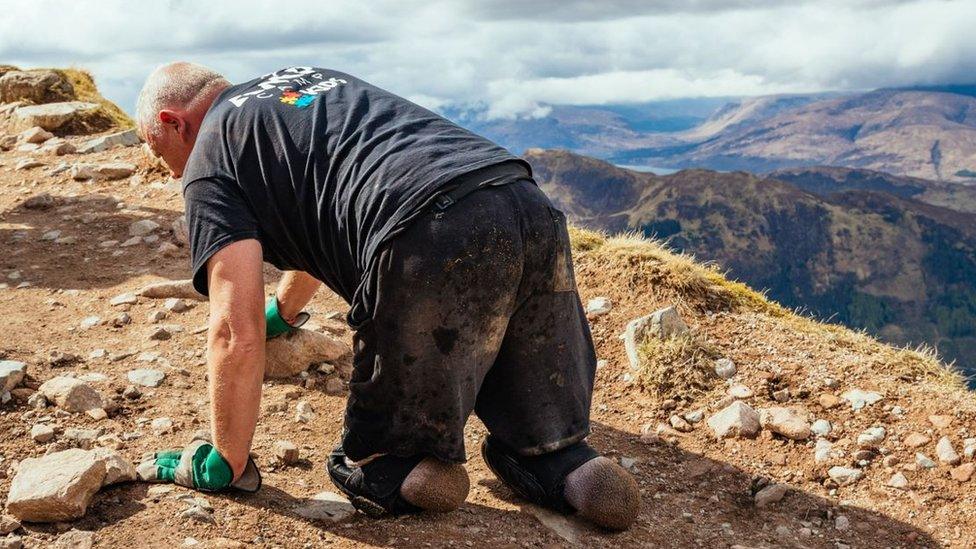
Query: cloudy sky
point(511, 57)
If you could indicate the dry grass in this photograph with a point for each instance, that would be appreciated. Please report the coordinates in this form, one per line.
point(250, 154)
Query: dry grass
point(108, 116)
point(680, 367)
point(643, 266)
point(650, 264)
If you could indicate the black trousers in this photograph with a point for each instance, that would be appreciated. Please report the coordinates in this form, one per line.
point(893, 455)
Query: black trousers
point(476, 310)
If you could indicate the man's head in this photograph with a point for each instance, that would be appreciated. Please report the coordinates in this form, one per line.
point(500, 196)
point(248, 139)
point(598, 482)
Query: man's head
point(171, 107)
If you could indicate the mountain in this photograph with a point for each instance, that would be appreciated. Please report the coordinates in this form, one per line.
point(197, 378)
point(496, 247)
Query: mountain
point(896, 266)
point(826, 180)
point(916, 133)
point(596, 130)
point(923, 132)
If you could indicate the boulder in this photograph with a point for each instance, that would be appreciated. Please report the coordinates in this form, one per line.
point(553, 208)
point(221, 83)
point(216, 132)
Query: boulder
point(787, 422)
point(735, 420)
point(127, 138)
point(70, 394)
point(844, 475)
point(663, 323)
point(52, 115)
point(11, 374)
point(289, 354)
point(117, 468)
point(35, 86)
point(56, 487)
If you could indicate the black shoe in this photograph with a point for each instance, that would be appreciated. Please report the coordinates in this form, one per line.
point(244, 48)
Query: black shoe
point(539, 479)
point(373, 488)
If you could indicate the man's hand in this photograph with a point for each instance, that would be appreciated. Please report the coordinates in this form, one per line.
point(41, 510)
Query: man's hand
point(235, 356)
point(199, 466)
point(283, 313)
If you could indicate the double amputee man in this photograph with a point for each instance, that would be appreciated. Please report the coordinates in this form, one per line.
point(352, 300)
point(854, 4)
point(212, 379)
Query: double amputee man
point(456, 267)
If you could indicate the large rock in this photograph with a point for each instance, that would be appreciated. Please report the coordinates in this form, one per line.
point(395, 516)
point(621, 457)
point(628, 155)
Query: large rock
point(325, 506)
point(735, 420)
point(117, 468)
point(70, 394)
point(292, 353)
point(663, 323)
point(52, 115)
point(127, 138)
point(35, 86)
point(11, 374)
point(787, 422)
point(56, 487)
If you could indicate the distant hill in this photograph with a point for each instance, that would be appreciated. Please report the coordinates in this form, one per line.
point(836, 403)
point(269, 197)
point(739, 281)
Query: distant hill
point(925, 132)
point(916, 133)
point(898, 267)
point(824, 180)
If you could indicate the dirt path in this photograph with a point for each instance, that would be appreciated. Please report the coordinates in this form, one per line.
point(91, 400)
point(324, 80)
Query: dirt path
point(696, 491)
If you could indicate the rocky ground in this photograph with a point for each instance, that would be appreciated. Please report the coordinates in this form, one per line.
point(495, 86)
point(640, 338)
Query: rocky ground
point(800, 435)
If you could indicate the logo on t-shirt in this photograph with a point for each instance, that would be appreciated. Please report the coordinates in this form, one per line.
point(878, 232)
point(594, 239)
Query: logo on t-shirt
point(298, 86)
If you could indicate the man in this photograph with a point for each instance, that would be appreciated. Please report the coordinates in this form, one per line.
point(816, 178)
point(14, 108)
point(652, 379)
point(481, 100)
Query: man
point(456, 267)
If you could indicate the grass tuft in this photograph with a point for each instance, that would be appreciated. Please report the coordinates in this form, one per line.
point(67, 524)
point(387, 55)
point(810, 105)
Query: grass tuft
point(679, 367)
point(107, 117)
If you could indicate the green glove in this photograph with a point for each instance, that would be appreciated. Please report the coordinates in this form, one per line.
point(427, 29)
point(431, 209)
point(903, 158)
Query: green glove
point(199, 466)
point(276, 325)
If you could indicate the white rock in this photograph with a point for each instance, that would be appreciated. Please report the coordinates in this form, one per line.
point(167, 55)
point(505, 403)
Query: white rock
point(304, 412)
point(35, 135)
point(176, 305)
point(735, 420)
point(124, 299)
point(51, 116)
point(924, 461)
point(117, 468)
point(822, 451)
point(859, 399)
point(787, 422)
point(11, 374)
point(771, 494)
point(162, 425)
point(899, 481)
point(142, 227)
point(598, 306)
point(695, 416)
point(969, 448)
point(821, 427)
point(325, 506)
point(114, 170)
point(842, 522)
point(147, 377)
point(70, 394)
point(844, 475)
point(871, 438)
point(739, 391)
point(56, 487)
point(90, 322)
point(946, 453)
point(725, 368)
point(663, 323)
point(125, 138)
point(42, 433)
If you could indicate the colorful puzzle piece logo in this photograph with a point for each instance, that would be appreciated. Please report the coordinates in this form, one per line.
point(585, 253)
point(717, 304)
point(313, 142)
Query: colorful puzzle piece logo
point(299, 100)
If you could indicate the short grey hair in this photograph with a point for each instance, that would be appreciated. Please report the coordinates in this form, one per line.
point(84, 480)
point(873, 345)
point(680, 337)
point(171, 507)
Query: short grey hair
point(173, 85)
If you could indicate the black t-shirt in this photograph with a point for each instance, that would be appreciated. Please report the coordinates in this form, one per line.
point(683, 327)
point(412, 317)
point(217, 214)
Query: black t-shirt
point(323, 169)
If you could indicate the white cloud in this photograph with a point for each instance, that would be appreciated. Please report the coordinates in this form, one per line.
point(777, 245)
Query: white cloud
point(514, 56)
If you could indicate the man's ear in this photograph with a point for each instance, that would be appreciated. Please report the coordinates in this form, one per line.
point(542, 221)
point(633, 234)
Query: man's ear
point(173, 120)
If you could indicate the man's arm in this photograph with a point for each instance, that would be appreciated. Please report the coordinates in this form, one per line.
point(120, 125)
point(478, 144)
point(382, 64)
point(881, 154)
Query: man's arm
point(294, 292)
point(235, 358)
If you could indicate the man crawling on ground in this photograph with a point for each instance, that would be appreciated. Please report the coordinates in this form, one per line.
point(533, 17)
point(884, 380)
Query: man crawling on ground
point(455, 265)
